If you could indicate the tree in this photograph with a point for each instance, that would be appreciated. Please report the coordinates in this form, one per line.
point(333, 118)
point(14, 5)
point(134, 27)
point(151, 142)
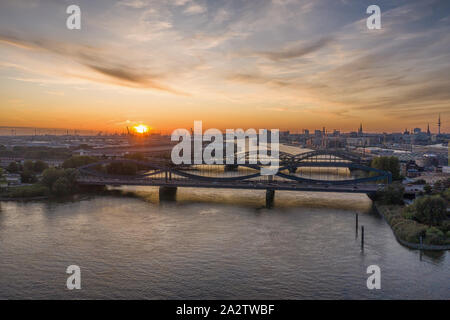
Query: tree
point(135, 156)
point(390, 164)
point(50, 175)
point(392, 194)
point(28, 176)
point(39, 166)
point(13, 167)
point(430, 210)
point(122, 168)
point(78, 161)
point(2, 179)
point(28, 165)
point(62, 187)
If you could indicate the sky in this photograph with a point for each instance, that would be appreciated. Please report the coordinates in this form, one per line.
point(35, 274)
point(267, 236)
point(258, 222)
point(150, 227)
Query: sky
point(275, 64)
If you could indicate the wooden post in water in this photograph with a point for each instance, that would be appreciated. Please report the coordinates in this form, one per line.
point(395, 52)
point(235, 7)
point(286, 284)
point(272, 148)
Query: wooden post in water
point(362, 237)
point(356, 224)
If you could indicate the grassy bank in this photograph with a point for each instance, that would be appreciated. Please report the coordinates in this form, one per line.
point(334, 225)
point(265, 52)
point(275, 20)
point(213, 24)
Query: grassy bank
point(408, 232)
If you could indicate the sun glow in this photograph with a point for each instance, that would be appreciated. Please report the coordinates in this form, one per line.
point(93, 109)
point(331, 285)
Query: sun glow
point(141, 128)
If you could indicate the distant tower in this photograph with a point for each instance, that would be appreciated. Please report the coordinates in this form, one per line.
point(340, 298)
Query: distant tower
point(439, 124)
point(360, 130)
point(428, 130)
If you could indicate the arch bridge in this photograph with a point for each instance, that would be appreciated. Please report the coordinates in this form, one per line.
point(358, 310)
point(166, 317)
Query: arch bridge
point(328, 172)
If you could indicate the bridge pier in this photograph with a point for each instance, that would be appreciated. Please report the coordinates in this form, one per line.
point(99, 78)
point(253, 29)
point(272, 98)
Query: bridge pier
point(231, 167)
point(167, 193)
point(270, 196)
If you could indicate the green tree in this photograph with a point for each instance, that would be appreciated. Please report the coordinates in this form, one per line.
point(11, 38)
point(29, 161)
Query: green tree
point(430, 210)
point(61, 187)
point(2, 179)
point(39, 166)
point(135, 156)
point(50, 175)
point(122, 168)
point(390, 164)
point(28, 165)
point(28, 176)
point(78, 161)
point(13, 167)
point(392, 194)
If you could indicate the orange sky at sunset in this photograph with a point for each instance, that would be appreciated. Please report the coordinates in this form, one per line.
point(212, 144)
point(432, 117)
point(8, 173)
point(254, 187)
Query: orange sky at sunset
point(290, 65)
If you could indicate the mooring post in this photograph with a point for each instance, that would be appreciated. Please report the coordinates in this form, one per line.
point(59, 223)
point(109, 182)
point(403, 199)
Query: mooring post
point(362, 237)
point(356, 223)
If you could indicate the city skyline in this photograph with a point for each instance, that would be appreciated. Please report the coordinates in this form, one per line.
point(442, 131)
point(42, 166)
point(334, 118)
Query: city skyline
point(281, 64)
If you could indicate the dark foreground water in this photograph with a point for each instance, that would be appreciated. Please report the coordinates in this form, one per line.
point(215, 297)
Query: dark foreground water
point(209, 244)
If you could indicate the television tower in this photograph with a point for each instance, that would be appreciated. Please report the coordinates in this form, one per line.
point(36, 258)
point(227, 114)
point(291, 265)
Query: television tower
point(439, 124)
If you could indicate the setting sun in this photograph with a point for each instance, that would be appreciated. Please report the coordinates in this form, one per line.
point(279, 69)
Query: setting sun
point(141, 128)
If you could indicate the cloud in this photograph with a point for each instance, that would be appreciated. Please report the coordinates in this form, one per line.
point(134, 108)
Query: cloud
point(296, 51)
point(195, 8)
point(95, 59)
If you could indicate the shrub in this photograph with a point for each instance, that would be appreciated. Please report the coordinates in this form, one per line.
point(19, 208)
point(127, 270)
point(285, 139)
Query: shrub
point(35, 190)
point(409, 230)
point(434, 236)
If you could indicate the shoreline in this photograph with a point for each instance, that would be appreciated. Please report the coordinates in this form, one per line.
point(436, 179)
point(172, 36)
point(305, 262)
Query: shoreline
point(417, 246)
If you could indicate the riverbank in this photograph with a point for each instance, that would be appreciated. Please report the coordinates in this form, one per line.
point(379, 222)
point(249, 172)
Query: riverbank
point(406, 231)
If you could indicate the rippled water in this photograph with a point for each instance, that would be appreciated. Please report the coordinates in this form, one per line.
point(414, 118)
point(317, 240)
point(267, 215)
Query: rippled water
point(209, 244)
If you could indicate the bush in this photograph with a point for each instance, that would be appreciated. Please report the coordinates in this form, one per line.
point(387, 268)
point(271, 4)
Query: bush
point(36, 190)
point(430, 210)
point(434, 236)
point(409, 230)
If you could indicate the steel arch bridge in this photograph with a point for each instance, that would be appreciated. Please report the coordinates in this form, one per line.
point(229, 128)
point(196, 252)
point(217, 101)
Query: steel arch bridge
point(242, 175)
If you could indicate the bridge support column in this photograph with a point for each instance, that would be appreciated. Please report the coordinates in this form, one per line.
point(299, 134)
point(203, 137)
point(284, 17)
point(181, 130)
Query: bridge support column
point(270, 196)
point(167, 193)
point(231, 167)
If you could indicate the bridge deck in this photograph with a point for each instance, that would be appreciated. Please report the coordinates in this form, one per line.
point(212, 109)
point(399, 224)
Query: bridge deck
point(256, 185)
